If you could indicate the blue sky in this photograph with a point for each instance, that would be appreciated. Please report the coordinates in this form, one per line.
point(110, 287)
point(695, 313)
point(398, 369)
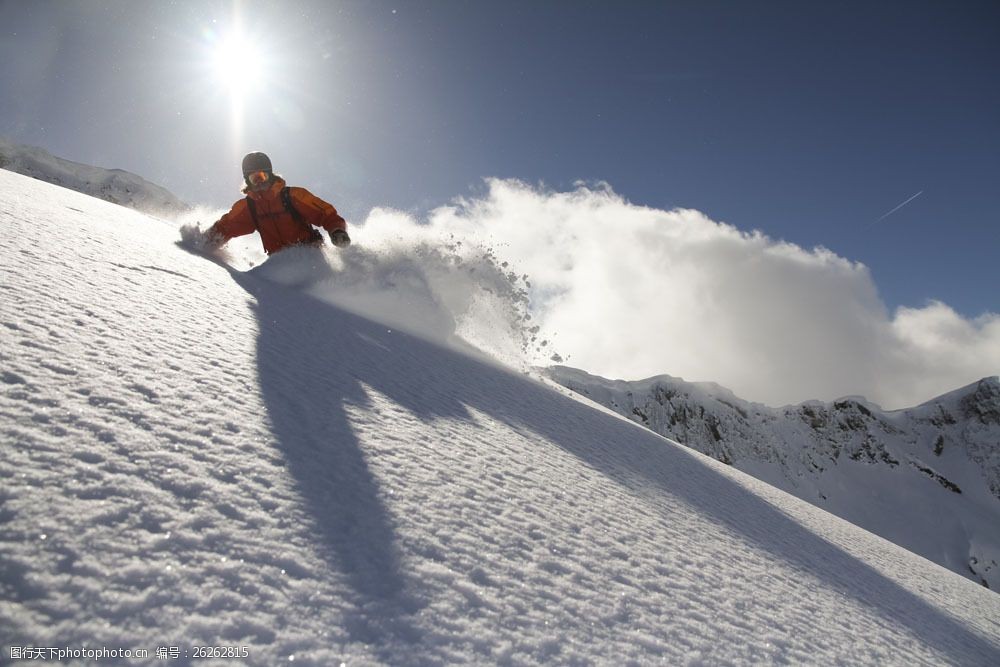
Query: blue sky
point(805, 120)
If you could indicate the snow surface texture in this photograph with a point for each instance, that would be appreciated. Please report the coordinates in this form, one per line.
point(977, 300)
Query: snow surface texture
point(927, 478)
point(113, 185)
point(194, 455)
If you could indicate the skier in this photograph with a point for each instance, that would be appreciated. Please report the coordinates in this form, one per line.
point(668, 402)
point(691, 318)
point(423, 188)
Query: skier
point(284, 216)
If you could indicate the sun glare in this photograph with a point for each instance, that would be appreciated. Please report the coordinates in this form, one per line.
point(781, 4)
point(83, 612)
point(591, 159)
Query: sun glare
point(236, 69)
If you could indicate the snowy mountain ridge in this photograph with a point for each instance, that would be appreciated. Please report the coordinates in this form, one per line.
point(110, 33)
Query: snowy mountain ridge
point(196, 456)
point(113, 185)
point(926, 478)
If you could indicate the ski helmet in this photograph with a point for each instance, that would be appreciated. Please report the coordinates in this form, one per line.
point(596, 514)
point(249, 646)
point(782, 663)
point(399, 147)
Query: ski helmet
point(256, 161)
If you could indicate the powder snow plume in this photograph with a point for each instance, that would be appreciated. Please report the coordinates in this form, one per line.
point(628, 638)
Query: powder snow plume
point(408, 277)
point(628, 291)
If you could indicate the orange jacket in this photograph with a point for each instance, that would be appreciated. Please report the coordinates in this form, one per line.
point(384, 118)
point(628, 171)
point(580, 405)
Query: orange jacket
point(278, 229)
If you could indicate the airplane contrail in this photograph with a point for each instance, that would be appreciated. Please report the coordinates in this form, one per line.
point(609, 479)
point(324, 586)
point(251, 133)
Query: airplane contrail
point(900, 206)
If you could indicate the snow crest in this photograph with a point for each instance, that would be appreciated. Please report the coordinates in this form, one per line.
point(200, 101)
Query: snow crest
point(193, 456)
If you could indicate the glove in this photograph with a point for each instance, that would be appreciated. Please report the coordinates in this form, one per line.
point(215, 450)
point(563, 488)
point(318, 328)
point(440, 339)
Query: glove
point(339, 238)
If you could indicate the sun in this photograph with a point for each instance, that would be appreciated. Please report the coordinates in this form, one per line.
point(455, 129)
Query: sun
point(235, 61)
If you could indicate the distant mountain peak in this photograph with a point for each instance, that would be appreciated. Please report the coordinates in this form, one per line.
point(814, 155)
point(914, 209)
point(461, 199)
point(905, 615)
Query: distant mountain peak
point(883, 470)
point(114, 185)
point(979, 400)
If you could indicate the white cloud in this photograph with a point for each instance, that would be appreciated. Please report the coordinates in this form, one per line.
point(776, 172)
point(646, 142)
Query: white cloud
point(627, 292)
point(936, 342)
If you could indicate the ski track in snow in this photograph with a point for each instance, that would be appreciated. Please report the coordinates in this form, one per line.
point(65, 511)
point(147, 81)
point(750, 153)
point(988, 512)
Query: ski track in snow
point(195, 456)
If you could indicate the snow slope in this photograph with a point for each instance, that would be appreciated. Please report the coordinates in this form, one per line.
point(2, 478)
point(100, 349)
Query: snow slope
point(194, 456)
point(926, 478)
point(113, 185)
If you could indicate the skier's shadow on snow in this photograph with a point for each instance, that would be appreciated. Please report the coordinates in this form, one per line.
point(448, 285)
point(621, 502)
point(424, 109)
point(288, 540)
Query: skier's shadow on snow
point(314, 354)
point(306, 389)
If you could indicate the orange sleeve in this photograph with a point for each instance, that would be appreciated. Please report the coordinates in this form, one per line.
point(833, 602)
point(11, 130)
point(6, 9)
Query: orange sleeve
point(316, 211)
point(235, 223)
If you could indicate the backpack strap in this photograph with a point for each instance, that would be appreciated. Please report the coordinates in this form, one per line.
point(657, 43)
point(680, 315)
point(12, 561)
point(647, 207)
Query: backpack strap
point(286, 199)
point(253, 213)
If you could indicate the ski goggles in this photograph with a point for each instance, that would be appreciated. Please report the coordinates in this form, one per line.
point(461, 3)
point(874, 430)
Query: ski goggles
point(257, 177)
